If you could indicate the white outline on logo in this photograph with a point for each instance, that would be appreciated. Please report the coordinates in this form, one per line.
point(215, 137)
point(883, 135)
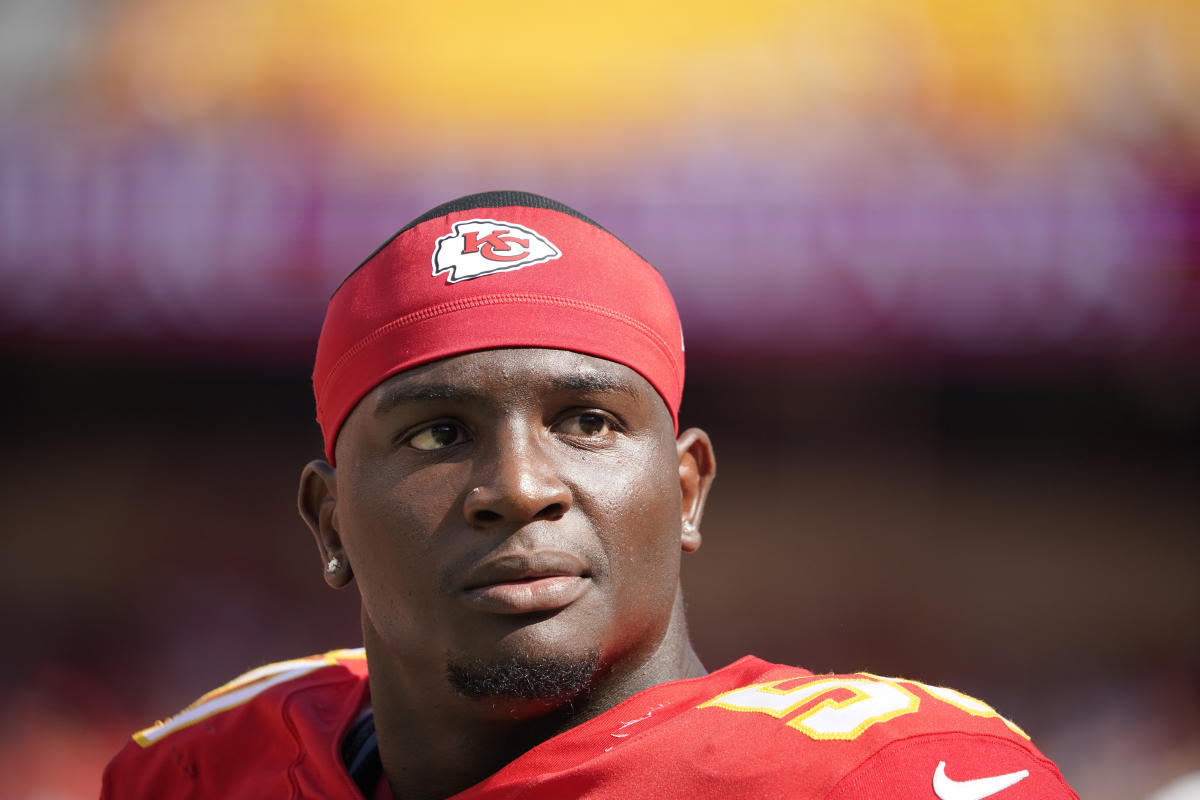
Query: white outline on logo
point(500, 266)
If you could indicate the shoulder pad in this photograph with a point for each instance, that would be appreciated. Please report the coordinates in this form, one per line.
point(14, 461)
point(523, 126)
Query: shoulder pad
point(247, 687)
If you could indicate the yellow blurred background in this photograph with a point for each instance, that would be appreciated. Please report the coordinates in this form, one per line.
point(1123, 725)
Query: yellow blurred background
point(389, 76)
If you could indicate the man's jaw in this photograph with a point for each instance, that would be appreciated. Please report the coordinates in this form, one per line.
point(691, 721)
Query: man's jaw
point(530, 678)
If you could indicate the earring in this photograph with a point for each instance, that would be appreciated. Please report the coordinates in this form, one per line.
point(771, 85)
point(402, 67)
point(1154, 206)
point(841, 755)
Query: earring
point(333, 566)
point(688, 527)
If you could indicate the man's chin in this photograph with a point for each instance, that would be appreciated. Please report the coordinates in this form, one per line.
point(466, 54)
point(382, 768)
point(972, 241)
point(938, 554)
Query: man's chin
point(526, 685)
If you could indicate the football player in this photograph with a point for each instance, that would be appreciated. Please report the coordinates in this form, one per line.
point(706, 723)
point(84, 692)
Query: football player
point(505, 483)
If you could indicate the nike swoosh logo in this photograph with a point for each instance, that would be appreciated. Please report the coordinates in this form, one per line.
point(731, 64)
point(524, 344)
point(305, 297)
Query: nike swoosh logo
point(947, 788)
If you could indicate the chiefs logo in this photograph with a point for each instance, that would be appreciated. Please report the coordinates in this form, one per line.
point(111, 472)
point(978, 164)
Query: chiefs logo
point(480, 247)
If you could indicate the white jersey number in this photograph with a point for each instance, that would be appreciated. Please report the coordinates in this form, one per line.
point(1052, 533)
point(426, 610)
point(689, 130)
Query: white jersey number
point(846, 706)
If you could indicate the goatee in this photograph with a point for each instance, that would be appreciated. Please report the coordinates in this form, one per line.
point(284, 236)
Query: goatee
point(520, 678)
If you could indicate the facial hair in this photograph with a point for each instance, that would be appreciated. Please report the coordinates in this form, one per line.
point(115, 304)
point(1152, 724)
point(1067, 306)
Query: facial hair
point(521, 678)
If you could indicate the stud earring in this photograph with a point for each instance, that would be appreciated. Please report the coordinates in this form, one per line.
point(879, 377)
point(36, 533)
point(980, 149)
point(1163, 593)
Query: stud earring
point(688, 527)
point(333, 566)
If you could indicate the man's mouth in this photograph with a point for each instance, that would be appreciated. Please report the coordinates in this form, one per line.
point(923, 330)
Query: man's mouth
point(526, 583)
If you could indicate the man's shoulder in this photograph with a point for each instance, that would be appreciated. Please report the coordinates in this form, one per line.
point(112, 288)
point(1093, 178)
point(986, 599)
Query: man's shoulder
point(251, 730)
point(755, 729)
point(845, 732)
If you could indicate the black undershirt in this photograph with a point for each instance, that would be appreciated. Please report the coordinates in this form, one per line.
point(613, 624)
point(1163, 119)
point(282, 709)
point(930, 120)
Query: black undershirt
point(360, 754)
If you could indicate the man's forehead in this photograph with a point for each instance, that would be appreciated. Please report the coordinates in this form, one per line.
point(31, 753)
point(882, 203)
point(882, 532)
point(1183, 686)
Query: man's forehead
point(491, 373)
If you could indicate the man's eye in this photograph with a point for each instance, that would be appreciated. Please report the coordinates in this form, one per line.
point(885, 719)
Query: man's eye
point(436, 436)
point(585, 424)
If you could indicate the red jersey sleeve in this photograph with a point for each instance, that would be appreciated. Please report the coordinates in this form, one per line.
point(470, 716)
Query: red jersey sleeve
point(272, 732)
point(863, 736)
point(954, 766)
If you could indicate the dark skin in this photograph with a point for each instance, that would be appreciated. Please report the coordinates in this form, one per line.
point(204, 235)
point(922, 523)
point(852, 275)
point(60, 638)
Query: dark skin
point(508, 504)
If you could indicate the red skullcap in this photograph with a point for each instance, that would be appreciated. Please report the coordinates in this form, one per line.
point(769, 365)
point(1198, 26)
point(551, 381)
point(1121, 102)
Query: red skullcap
point(499, 269)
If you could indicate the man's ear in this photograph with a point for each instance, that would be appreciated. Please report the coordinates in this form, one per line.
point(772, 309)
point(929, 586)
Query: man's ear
point(317, 501)
point(697, 468)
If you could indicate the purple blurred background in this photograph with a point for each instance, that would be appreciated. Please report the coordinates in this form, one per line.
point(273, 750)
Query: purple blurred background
point(938, 266)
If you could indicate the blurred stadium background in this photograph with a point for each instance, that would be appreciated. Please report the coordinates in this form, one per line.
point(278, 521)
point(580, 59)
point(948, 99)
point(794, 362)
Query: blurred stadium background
point(938, 265)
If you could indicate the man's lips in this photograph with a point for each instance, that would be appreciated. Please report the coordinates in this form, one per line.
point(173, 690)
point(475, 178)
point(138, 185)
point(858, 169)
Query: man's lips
point(524, 583)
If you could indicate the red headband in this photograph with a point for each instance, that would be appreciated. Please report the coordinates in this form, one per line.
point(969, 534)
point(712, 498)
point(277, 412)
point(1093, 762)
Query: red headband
point(501, 269)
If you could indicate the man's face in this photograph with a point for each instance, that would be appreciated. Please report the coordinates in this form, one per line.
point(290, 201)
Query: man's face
point(512, 504)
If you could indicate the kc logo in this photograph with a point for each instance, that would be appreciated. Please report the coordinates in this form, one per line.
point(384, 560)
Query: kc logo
point(481, 247)
point(496, 240)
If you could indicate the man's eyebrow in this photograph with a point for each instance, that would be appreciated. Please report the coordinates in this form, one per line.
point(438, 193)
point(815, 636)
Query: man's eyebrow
point(398, 394)
point(594, 382)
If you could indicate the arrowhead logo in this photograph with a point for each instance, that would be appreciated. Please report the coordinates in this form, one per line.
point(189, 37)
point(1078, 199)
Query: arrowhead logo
point(481, 247)
point(947, 788)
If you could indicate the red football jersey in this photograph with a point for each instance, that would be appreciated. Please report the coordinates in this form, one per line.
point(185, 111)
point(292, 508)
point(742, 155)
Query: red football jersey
point(750, 730)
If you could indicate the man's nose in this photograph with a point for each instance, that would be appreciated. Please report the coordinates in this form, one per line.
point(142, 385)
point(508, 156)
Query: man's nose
point(518, 482)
